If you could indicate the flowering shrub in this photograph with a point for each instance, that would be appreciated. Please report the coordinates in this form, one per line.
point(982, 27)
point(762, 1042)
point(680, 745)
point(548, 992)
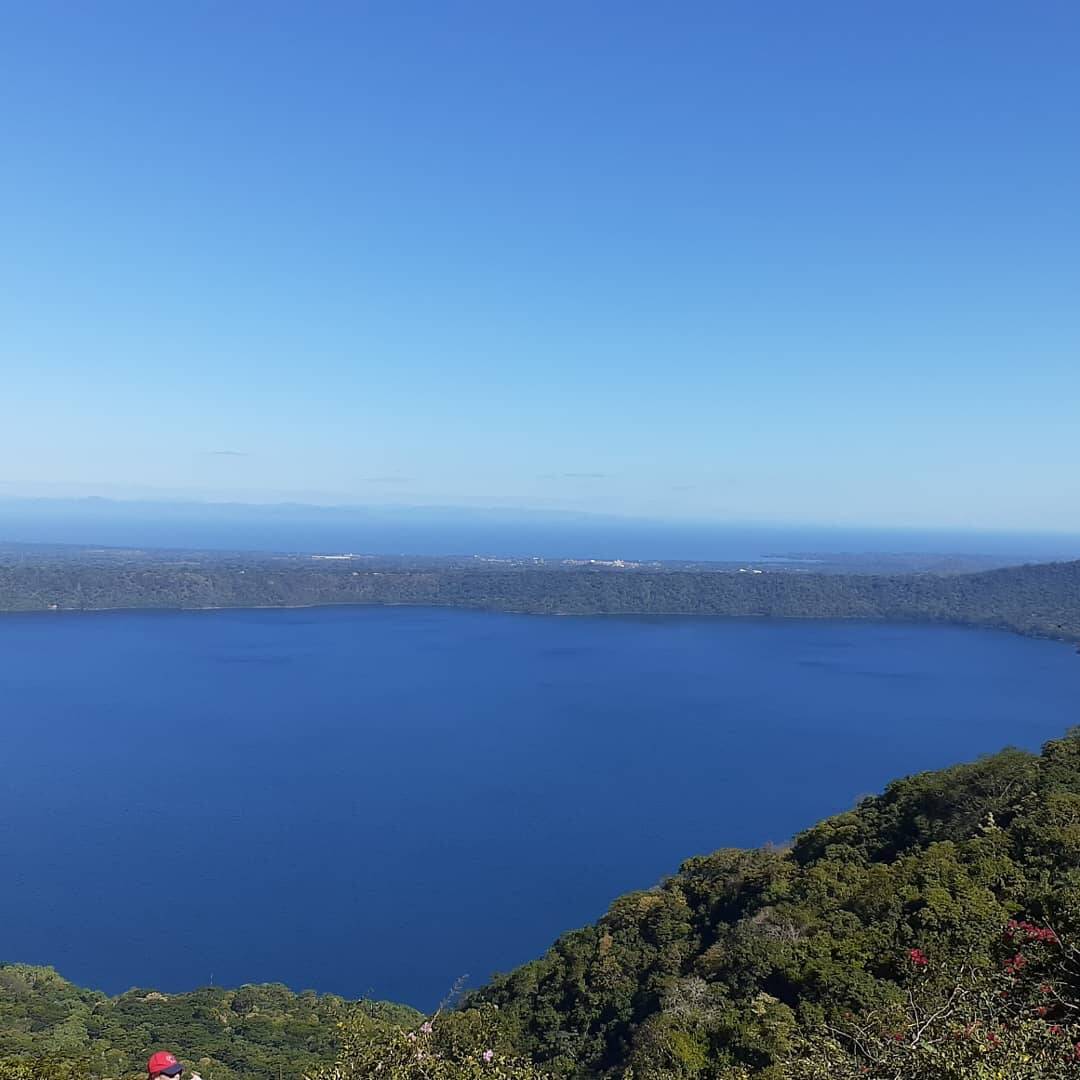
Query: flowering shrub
point(1019, 1020)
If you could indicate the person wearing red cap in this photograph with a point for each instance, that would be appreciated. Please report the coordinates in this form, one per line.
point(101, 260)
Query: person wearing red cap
point(163, 1064)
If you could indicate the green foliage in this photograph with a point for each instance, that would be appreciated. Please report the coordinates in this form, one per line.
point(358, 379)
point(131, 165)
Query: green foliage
point(51, 1027)
point(465, 1045)
point(957, 1021)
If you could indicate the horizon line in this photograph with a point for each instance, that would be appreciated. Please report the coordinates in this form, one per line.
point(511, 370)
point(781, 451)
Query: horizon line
point(533, 511)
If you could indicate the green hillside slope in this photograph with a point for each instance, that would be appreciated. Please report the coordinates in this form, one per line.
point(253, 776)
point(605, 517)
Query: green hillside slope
point(760, 958)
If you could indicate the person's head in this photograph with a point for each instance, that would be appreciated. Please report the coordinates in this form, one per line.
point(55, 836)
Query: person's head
point(163, 1064)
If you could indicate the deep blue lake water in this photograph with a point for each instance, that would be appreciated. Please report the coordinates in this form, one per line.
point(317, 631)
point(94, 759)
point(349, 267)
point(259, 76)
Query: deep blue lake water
point(381, 800)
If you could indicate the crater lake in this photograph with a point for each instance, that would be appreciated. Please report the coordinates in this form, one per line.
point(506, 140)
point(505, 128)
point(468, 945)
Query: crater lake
point(379, 801)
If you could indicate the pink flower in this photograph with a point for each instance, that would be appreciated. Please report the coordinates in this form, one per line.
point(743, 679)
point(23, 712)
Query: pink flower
point(1030, 932)
point(918, 957)
point(488, 1056)
point(425, 1028)
point(1016, 963)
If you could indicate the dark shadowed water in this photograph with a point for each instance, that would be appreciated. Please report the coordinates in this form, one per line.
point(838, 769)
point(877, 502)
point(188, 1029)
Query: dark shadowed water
point(382, 800)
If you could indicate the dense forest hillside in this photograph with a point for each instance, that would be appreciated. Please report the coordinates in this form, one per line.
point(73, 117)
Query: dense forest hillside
point(1041, 599)
point(931, 933)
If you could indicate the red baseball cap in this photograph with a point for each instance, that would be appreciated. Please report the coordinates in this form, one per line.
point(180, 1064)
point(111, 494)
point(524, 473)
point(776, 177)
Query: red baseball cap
point(163, 1064)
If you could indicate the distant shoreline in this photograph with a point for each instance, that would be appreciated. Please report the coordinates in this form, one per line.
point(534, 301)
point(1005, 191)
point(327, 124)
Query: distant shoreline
point(1040, 600)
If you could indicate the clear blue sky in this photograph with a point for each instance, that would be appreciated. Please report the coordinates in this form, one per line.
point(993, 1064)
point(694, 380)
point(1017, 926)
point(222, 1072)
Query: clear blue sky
point(755, 261)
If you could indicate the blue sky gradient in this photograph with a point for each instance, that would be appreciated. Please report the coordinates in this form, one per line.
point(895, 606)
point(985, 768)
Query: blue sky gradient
point(745, 262)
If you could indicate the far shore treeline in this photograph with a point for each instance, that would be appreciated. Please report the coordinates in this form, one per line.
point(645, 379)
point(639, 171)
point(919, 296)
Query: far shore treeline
point(1040, 600)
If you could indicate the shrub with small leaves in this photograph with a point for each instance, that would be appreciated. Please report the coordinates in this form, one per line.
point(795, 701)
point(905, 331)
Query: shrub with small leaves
point(465, 1045)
